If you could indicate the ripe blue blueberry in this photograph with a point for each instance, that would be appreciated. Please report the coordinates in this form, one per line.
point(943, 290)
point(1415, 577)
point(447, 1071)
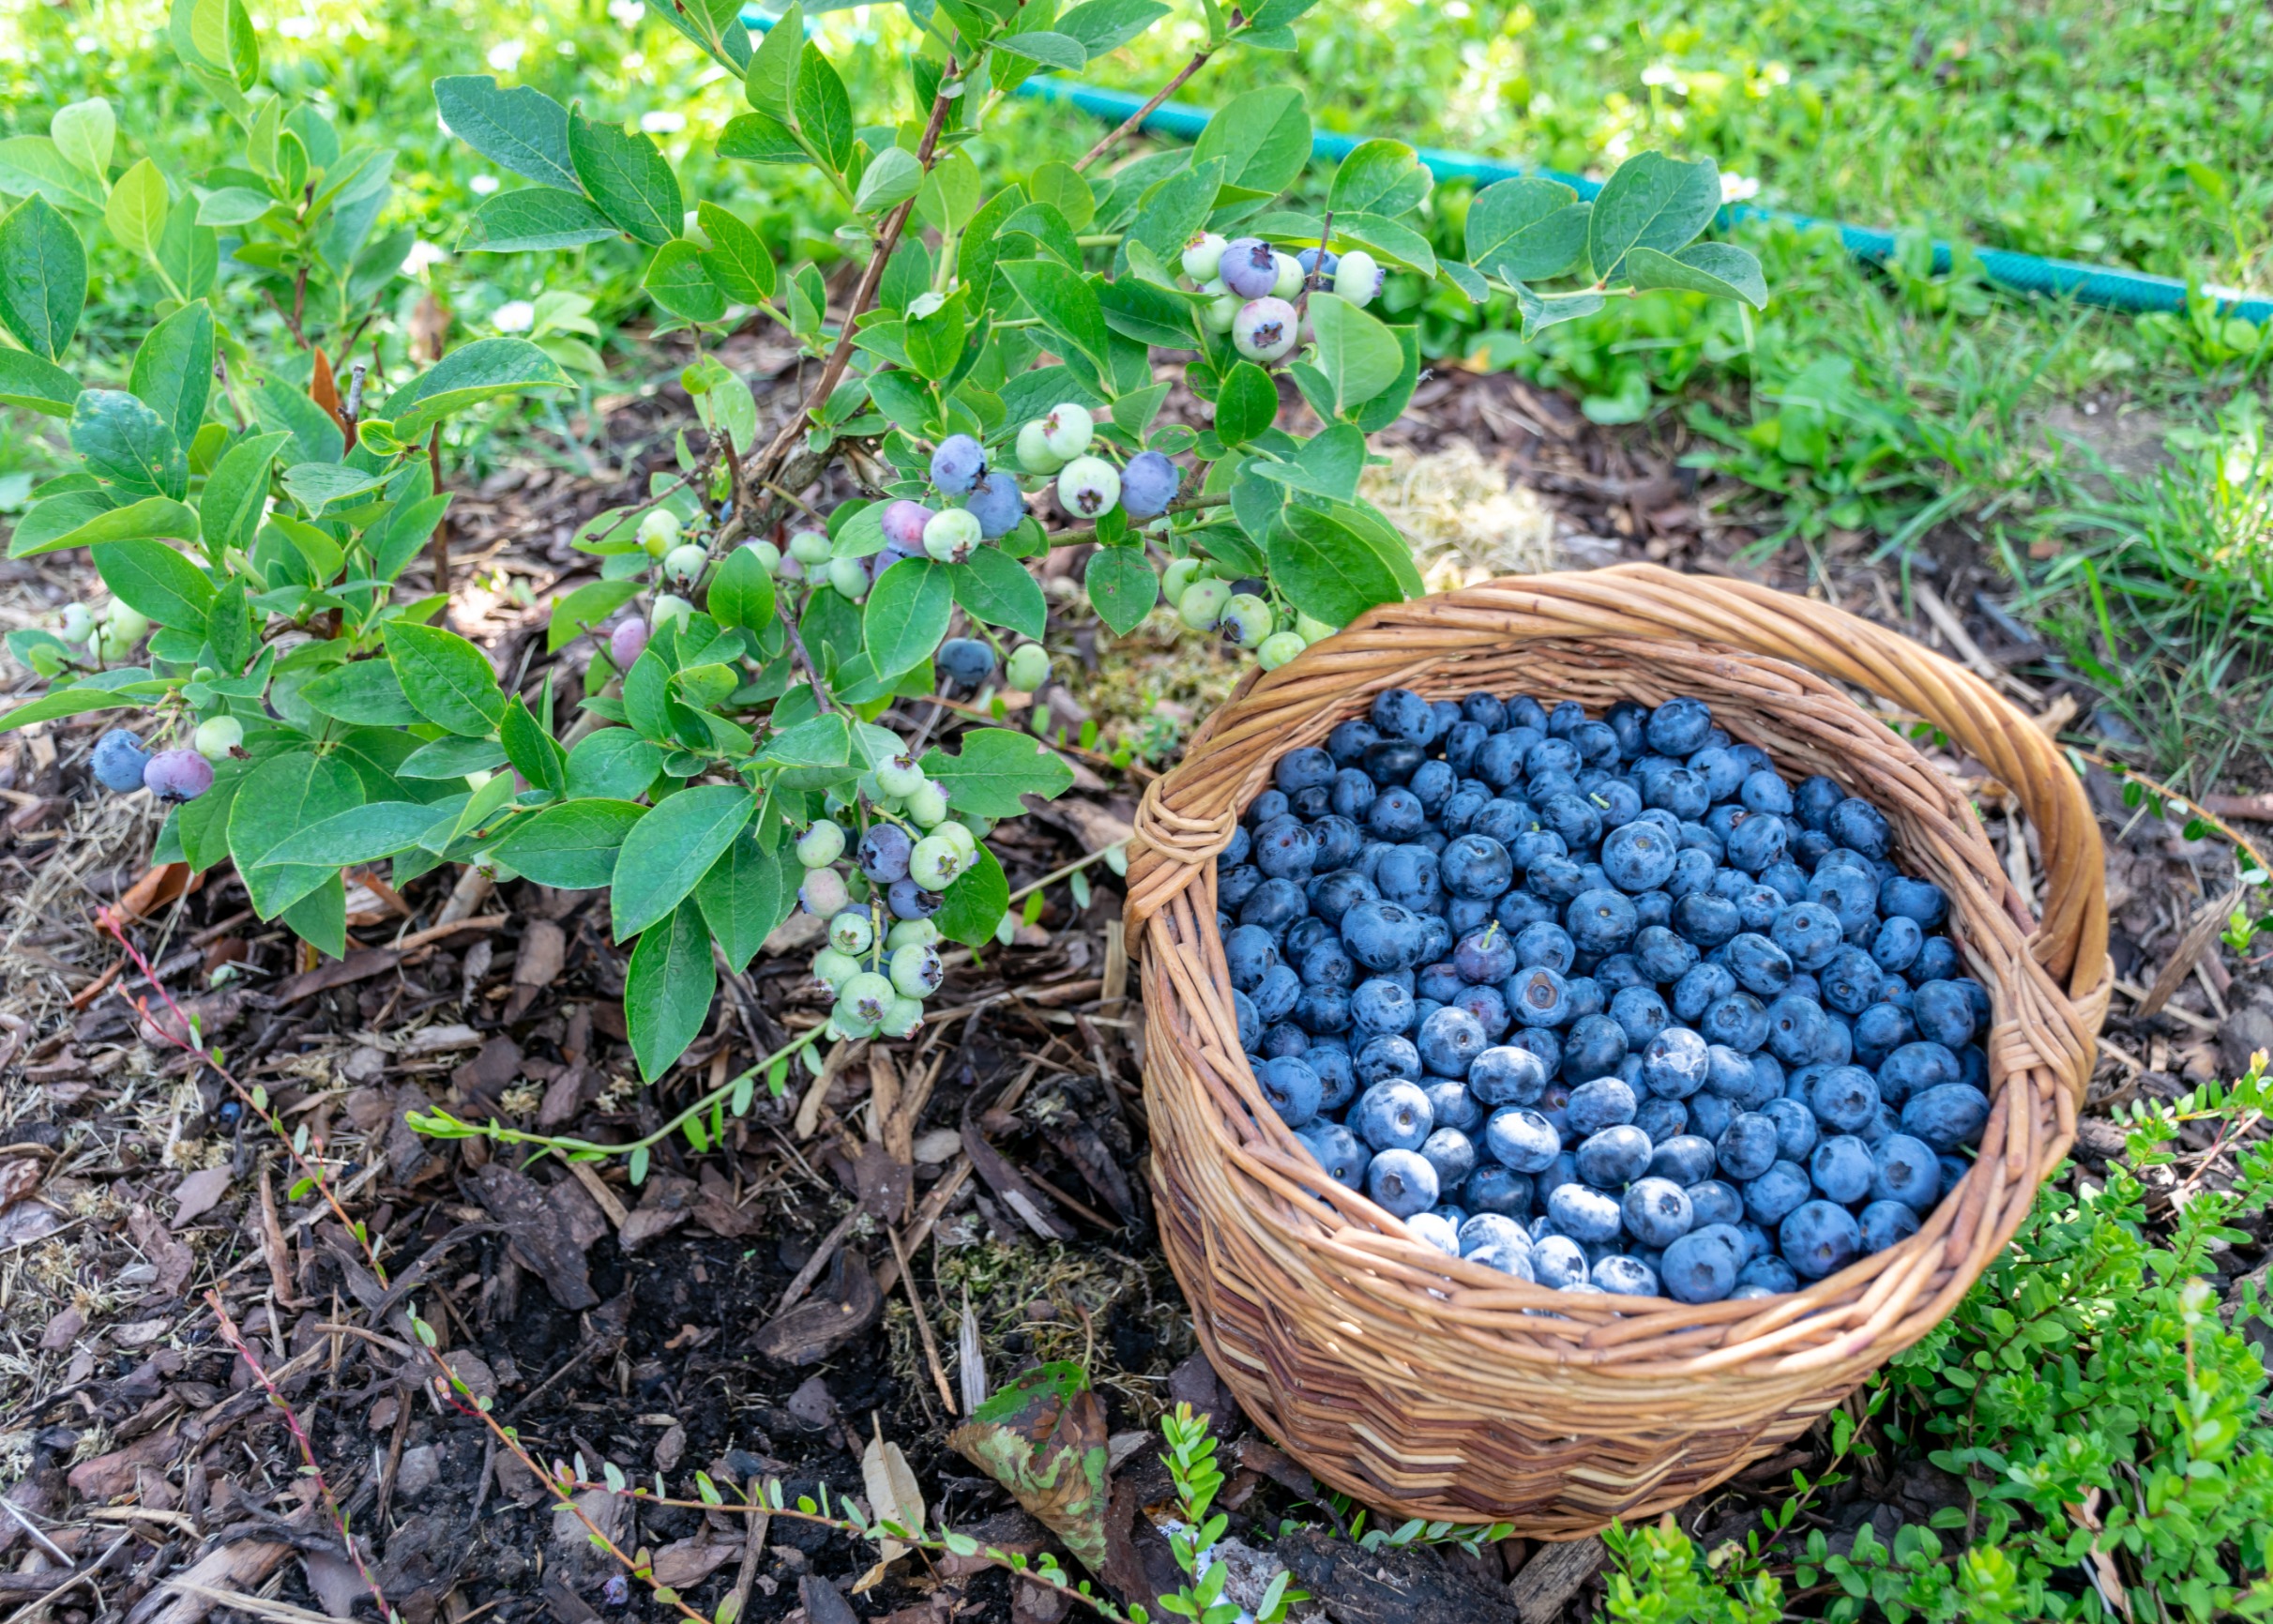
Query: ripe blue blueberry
point(1277, 993)
point(1451, 1153)
point(1765, 1275)
point(968, 662)
point(1810, 932)
point(1624, 1276)
point(1450, 1105)
point(1701, 1265)
point(1656, 1211)
point(1905, 1169)
point(1494, 1187)
point(958, 464)
point(1603, 1102)
point(1291, 1088)
point(1433, 1229)
point(1775, 1192)
point(1585, 1214)
point(1842, 1168)
point(1521, 1139)
point(1883, 1224)
point(1613, 1158)
point(1946, 1116)
point(1944, 1013)
point(118, 760)
point(1796, 1129)
point(1149, 484)
point(1449, 1040)
point(1845, 1097)
point(1747, 1147)
point(1819, 1237)
point(1921, 901)
point(1393, 1115)
point(1249, 953)
point(1402, 1182)
point(1379, 1004)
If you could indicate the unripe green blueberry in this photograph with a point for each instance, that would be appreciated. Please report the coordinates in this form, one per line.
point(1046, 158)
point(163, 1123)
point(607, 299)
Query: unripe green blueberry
point(917, 971)
point(849, 576)
point(927, 805)
point(852, 931)
point(1028, 667)
point(1033, 453)
point(960, 836)
point(835, 968)
point(1358, 278)
point(768, 555)
point(949, 535)
point(658, 532)
point(1310, 630)
point(1246, 621)
point(671, 609)
point(1180, 573)
point(1067, 431)
point(127, 621)
point(822, 844)
point(869, 996)
point(111, 642)
point(824, 893)
point(810, 547)
point(1290, 277)
point(901, 1017)
point(217, 736)
point(77, 623)
point(919, 933)
point(936, 862)
point(1088, 487)
point(1203, 255)
point(844, 1026)
point(1221, 314)
point(1277, 650)
point(899, 775)
point(1201, 605)
point(684, 562)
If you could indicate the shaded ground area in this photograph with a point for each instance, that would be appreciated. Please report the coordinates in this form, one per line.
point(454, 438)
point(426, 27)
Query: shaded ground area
point(744, 1310)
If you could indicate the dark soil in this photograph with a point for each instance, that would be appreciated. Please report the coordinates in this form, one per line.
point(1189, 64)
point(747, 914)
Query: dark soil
point(643, 1329)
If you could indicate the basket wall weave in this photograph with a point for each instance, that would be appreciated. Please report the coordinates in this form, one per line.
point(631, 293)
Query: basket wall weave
point(1422, 1385)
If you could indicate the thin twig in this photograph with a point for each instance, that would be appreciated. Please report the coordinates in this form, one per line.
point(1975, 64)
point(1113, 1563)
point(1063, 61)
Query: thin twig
point(923, 1322)
point(1107, 142)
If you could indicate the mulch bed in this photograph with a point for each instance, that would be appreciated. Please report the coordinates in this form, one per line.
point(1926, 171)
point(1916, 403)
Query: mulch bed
point(740, 1311)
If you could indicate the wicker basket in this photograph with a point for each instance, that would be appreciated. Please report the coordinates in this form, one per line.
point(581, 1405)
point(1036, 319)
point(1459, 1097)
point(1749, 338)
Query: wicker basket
point(1424, 1386)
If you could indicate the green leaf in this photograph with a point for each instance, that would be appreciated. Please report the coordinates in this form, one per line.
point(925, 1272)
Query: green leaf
point(68, 701)
point(1065, 301)
point(890, 179)
point(315, 432)
point(735, 259)
point(612, 764)
point(574, 612)
point(668, 987)
point(534, 218)
point(1327, 570)
point(153, 578)
point(1355, 350)
point(907, 613)
point(1541, 310)
point(671, 849)
point(1388, 239)
point(535, 754)
point(996, 588)
point(761, 138)
point(1103, 27)
point(1051, 50)
point(1720, 270)
point(1526, 230)
point(188, 254)
point(128, 444)
point(92, 524)
point(447, 678)
point(470, 373)
point(1373, 171)
point(33, 166)
point(772, 74)
point(363, 692)
point(279, 797)
point(1122, 587)
point(173, 368)
point(741, 593)
point(229, 629)
point(136, 212)
point(1247, 404)
point(629, 177)
point(362, 834)
point(1366, 521)
point(747, 894)
point(84, 131)
point(996, 767)
point(230, 509)
point(319, 918)
point(452, 757)
point(1262, 137)
point(1653, 200)
point(573, 846)
point(325, 489)
point(676, 281)
point(821, 741)
point(35, 384)
point(972, 907)
point(824, 111)
point(395, 539)
point(522, 130)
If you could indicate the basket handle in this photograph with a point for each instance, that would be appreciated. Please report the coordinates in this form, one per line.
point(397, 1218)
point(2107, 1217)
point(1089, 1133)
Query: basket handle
point(1647, 600)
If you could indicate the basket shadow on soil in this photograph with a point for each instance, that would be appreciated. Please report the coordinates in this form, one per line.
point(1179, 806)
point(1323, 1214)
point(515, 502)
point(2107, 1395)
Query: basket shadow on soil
point(644, 1328)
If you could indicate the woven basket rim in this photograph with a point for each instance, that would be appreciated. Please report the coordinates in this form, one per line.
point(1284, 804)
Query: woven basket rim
point(2048, 980)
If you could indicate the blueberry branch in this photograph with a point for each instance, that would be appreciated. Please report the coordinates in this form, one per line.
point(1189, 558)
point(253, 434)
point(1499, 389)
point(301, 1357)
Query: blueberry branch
point(1112, 137)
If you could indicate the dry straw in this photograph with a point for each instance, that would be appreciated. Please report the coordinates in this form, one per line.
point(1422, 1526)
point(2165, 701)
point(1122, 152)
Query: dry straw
point(1439, 1388)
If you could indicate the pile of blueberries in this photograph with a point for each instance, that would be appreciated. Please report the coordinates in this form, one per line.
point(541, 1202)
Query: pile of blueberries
point(1605, 1003)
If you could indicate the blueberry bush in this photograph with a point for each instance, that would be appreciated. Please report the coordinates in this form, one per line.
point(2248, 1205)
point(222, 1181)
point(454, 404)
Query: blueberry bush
point(990, 388)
